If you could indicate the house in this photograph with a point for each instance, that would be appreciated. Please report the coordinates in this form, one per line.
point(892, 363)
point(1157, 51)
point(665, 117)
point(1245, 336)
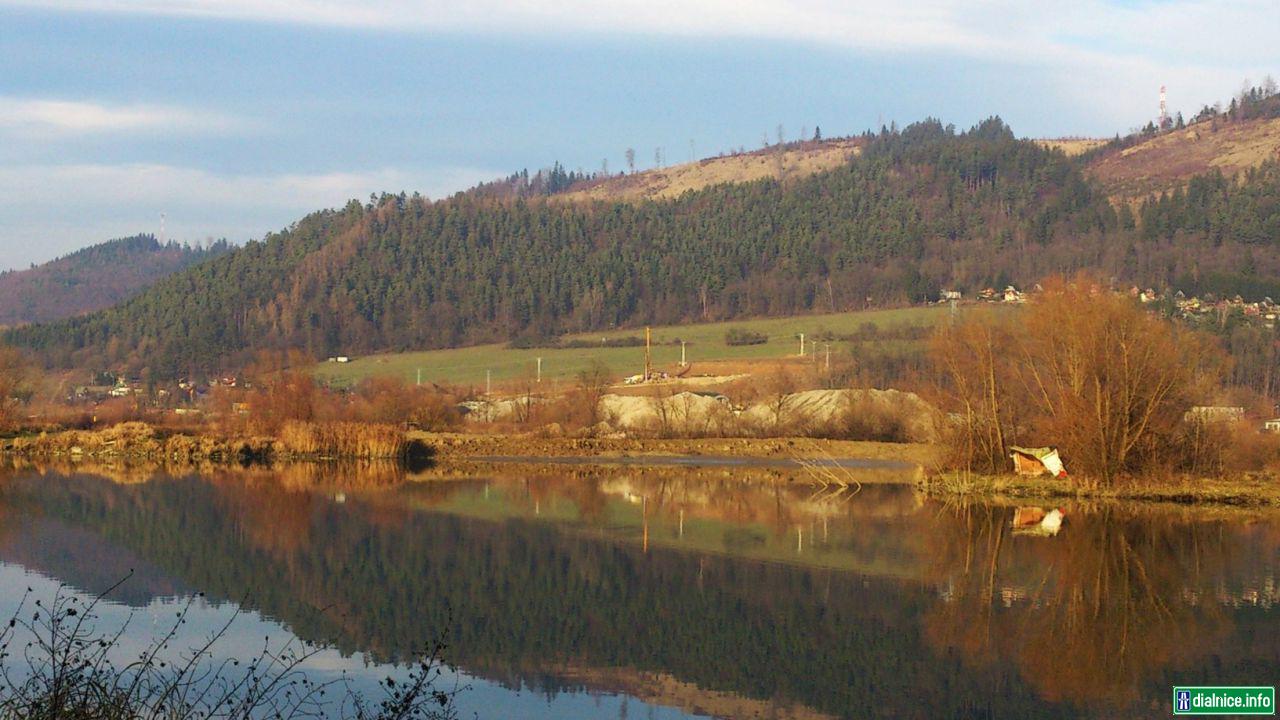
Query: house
point(1037, 461)
point(1214, 413)
point(950, 295)
point(1272, 425)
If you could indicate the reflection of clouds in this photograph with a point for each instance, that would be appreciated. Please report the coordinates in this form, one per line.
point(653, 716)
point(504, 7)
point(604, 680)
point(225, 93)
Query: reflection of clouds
point(249, 632)
point(243, 636)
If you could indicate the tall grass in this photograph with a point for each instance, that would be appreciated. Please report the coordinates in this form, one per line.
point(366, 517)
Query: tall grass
point(342, 440)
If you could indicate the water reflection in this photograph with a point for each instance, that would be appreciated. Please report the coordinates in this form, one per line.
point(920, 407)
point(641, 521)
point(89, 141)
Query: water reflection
point(724, 592)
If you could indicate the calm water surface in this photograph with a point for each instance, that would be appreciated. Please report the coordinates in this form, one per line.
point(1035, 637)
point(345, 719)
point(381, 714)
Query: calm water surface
point(674, 592)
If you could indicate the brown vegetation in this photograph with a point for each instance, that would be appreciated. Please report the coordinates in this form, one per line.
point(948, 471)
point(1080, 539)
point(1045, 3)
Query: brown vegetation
point(13, 377)
point(1081, 368)
point(1169, 160)
point(341, 439)
point(793, 160)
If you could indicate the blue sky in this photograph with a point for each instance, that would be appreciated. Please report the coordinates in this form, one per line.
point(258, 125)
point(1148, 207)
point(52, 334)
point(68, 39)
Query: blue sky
point(236, 117)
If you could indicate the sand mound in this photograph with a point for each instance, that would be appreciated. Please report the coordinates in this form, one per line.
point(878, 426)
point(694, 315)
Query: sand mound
point(892, 414)
point(818, 410)
point(682, 413)
point(490, 411)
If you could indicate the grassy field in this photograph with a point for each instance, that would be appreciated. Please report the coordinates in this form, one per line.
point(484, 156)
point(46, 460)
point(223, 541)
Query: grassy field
point(704, 342)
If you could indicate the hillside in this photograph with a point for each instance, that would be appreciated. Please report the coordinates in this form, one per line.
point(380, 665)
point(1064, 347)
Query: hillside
point(93, 278)
point(1072, 146)
point(915, 211)
point(788, 162)
point(1229, 142)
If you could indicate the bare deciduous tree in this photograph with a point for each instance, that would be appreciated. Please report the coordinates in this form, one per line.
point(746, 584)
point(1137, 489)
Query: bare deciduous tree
point(13, 380)
point(1081, 368)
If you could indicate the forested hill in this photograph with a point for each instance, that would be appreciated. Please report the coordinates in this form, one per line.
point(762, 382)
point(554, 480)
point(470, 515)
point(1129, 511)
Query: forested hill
point(915, 211)
point(93, 278)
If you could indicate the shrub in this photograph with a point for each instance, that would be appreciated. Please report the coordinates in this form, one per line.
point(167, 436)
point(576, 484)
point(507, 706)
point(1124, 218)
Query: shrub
point(1081, 368)
point(741, 336)
point(869, 419)
point(69, 670)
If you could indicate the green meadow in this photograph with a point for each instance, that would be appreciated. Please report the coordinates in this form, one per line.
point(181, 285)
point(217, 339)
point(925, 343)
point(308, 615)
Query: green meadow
point(703, 342)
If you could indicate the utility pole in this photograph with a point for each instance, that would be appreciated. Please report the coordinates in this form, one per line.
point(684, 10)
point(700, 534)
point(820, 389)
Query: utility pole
point(801, 344)
point(488, 382)
point(419, 376)
point(539, 369)
point(682, 362)
point(828, 358)
point(648, 358)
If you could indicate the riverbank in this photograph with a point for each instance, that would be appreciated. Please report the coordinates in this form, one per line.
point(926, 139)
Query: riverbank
point(295, 441)
point(458, 455)
point(1245, 489)
point(471, 447)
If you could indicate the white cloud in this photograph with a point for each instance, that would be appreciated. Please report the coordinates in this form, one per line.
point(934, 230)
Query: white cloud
point(48, 210)
point(1201, 48)
point(1232, 29)
point(43, 118)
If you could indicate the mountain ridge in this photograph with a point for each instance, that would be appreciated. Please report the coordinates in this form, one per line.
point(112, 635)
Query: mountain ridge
point(93, 278)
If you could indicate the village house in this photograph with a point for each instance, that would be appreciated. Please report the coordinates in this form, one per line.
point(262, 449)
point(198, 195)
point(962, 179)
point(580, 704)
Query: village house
point(1214, 413)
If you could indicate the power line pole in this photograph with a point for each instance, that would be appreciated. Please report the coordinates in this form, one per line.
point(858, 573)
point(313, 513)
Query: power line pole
point(648, 358)
point(488, 382)
point(539, 369)
point(419, 376)
point(828, 358)
point(682, 362)
point(801, 344)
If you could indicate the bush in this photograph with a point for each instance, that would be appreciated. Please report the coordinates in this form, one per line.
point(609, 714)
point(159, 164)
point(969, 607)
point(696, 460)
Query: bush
point(69, 670)
point(869, 419)
point(740, 336)
point(1081, 368)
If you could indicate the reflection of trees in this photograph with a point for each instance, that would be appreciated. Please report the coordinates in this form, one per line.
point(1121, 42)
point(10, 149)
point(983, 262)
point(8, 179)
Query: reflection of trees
point(523, 597)
point(1089, 615)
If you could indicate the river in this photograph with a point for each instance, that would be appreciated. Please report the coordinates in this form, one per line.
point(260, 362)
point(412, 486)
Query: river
point(668, 592)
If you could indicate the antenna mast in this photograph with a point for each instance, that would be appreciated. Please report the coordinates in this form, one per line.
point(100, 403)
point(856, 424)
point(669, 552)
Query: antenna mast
point(1164, 123)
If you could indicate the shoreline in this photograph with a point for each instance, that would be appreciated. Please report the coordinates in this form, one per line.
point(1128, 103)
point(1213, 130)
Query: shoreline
point(788, 459)
point(1244, 490)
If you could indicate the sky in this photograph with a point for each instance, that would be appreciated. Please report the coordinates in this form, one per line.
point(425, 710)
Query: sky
point(235, 118)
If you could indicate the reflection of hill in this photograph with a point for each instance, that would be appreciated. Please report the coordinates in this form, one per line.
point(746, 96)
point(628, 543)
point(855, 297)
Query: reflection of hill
point(523, 594)
point(547, 582)
point(78, 556)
